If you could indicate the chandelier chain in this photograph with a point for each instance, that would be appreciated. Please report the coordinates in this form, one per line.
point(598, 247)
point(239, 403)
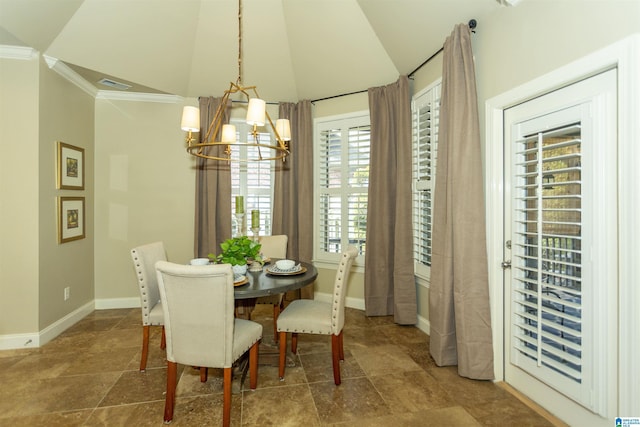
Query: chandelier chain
point(239, 82)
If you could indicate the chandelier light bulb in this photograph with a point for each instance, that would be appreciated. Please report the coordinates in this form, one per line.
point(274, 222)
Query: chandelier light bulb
point(284, 129)
point(228, 134)
point(190, 119)
point(255, 112)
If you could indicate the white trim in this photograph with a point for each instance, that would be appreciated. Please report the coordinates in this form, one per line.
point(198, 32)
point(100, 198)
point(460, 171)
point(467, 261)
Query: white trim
point(628, 206)
point(38, 339)
point(110, 303)
point(67, 73)
point(17, 341)
point(625, 55)
point(424, 325)
point(17, 52)
point(139, 97)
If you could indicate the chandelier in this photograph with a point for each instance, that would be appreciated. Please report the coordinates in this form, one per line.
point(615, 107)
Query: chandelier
point(257, 116)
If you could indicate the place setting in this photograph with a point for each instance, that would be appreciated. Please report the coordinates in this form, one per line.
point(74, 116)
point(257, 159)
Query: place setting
point(285, 267)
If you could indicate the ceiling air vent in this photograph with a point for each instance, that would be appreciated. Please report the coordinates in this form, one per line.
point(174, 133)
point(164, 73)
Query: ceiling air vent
point(114, 84)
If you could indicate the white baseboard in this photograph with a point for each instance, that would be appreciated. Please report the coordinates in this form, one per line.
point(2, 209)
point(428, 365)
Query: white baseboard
point(424, 325)
point(16, 341)
point(38, 339)
point(357, 303)
point(107, 303)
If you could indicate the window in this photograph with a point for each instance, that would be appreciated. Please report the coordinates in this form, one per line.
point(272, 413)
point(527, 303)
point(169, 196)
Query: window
point(426, 117)
point(253, 181)
point(342, 178)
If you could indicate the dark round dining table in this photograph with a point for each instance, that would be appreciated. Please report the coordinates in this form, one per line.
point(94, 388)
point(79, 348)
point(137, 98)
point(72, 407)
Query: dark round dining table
point(262, 283)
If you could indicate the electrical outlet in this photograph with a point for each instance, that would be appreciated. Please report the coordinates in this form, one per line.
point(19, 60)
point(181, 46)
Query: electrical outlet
point(67, 292)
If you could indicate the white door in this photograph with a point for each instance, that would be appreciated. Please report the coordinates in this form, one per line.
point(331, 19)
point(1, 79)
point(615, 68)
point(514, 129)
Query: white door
point(560, 237)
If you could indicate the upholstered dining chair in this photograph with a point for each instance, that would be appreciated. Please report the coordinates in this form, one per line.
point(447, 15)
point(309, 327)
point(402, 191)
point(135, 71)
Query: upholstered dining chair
point(274, 247)
point(198, 306)
point(318, 317)
point(144, 261)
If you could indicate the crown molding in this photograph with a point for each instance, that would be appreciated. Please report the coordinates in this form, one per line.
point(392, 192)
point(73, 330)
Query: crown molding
point(139, 97)
point(66, 72)
point(17, 52)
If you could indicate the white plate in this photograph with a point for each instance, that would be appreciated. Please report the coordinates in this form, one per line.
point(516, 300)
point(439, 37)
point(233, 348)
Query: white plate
point(298, 269)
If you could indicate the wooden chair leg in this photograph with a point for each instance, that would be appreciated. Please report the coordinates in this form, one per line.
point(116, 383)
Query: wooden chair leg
point(170, 399)
point(204, 374)
point(294, 342)
point(276, 313)
point(145, 348)
point(341, 336)
point(226, 406)
point(253, 366)
point(335, 357)
point(283, 355)
point(163, 340)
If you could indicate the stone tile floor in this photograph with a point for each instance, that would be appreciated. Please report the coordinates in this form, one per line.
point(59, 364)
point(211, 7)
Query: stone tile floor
point(88, 376)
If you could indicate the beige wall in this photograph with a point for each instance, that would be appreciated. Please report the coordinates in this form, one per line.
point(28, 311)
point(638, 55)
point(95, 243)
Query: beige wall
point(145, 189)
point(66, 114)
point(38, 108)
point(19, 199)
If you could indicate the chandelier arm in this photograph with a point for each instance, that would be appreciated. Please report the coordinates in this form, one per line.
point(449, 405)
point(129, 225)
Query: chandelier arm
point(217, 117)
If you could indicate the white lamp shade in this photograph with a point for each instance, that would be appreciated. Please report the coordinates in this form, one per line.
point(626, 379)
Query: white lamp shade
point(284, 129)
point(255, 112)
point(228, 134)
point(190, 119)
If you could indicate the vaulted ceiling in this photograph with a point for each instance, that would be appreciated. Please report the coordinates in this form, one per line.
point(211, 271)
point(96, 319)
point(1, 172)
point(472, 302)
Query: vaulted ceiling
point(291, 49)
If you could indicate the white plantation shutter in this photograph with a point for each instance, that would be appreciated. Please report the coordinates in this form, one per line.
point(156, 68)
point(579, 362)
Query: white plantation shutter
point(253, 180)
point(547, 254)
point(426, 117)
point(343, 179)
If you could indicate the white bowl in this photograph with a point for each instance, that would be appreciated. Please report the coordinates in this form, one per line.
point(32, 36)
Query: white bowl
point(199, 261)
point(285, 264)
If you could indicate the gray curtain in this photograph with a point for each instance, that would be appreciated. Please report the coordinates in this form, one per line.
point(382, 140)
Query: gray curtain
point(459, 313)
point(389, 283)
point(213, 190)
point(293, 189)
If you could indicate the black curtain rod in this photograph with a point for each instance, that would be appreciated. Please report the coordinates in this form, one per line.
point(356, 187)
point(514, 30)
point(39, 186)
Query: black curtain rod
point(472, 24)
point(242, 101)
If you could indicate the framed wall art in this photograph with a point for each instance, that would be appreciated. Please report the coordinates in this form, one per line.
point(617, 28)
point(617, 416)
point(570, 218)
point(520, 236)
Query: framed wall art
point(70, 219)
point(70, 167)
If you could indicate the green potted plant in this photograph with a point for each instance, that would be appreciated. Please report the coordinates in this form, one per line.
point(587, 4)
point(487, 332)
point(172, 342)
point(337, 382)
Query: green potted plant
point(237, 251)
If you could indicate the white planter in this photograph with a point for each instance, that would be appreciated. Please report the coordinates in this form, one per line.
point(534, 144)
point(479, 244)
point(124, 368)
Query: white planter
point(239, 270)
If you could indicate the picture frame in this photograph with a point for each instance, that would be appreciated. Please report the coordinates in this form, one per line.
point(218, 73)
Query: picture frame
point(70, 167)
point(71, 223)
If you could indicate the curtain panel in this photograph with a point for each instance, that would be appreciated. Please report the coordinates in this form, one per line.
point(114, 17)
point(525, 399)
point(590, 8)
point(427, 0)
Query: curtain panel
point(293, 189)
point(213, 189)
point(459, 312)
point(389, 282)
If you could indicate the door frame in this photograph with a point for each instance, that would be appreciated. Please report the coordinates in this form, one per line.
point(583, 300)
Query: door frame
point(625, 57)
